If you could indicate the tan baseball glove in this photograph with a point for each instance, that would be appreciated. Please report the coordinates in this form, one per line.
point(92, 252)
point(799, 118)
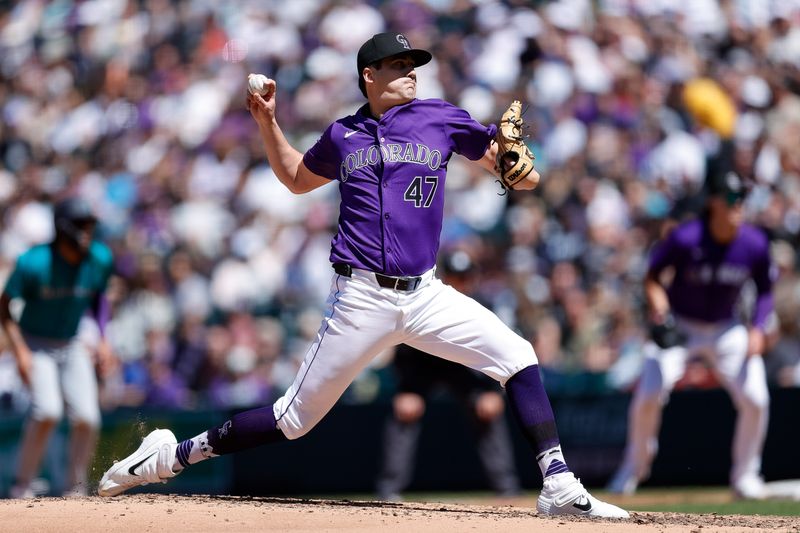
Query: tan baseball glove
point(514, 159)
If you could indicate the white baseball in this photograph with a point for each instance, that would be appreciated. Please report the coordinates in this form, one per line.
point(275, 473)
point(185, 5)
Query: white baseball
point(259, 84)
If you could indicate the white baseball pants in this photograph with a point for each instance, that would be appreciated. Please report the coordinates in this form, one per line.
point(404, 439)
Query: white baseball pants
point(363, 319)
point(725, 348)
point(63, 375)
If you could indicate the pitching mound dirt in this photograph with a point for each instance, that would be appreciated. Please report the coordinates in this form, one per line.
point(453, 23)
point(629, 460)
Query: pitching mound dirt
point(165, 513)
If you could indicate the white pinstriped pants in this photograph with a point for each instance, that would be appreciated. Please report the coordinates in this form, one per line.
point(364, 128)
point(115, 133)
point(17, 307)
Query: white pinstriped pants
point(363, 319)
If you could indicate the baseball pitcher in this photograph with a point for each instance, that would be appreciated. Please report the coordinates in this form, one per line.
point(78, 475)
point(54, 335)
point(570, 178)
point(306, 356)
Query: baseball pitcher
point(711, 258)
point(390, 160)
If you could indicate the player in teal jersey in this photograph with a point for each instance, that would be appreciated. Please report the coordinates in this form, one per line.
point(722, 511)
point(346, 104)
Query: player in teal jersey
point(58, 283)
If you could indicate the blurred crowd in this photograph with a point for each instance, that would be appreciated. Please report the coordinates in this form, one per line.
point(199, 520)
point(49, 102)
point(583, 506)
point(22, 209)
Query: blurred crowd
point(221, 273)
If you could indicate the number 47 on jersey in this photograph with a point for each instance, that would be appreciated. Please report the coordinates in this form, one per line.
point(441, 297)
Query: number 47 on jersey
point(415, 193)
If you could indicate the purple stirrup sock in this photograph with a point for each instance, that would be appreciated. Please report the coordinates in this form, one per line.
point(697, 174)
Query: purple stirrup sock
point(245, 430)
point(531, 408)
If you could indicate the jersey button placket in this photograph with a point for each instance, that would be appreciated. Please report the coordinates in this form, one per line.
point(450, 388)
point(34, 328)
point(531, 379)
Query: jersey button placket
point(382, 139)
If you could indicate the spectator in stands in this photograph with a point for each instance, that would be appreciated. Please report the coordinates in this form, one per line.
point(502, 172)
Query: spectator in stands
point(153, 92)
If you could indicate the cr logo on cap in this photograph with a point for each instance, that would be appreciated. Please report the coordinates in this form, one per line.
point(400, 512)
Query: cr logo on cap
point(402, 40)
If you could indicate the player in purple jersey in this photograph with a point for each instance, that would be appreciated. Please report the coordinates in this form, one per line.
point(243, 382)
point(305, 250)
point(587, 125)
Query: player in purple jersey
point(390, 161)
point(710, 259)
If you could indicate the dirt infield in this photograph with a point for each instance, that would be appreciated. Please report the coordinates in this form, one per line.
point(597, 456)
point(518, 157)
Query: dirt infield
point(169, 514)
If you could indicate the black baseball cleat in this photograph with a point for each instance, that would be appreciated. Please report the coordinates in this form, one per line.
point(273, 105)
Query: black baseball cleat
point(564, 494)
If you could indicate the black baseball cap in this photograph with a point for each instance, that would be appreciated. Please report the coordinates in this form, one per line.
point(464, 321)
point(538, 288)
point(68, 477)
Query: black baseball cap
point(383, 45)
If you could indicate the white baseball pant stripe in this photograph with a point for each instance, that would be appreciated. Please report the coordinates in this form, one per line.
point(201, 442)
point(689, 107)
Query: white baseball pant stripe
point(63, 375)
point(725, 348)
point(363, 319)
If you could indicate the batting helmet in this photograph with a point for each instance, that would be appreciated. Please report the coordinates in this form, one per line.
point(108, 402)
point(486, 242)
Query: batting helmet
point(70, 213)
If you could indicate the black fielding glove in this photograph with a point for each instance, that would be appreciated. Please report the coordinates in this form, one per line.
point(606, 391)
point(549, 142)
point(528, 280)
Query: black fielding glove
point(667, 334)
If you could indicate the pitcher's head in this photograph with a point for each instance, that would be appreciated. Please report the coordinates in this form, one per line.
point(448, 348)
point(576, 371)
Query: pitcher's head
point(390, 51)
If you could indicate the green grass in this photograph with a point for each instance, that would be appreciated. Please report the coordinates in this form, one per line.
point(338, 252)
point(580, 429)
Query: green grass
point(695, 500)
point(690, 500)
point(773, 508)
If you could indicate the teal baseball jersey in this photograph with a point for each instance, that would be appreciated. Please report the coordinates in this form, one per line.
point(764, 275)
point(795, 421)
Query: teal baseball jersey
point(57, 293)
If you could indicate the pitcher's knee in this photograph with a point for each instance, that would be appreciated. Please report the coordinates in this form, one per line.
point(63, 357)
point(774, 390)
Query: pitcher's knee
point(521, 357)
point(293, 426)
point(293, 432)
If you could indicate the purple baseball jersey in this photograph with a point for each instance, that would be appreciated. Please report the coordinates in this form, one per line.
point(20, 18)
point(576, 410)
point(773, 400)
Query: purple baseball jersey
point(391, 176)
point(709, 276)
